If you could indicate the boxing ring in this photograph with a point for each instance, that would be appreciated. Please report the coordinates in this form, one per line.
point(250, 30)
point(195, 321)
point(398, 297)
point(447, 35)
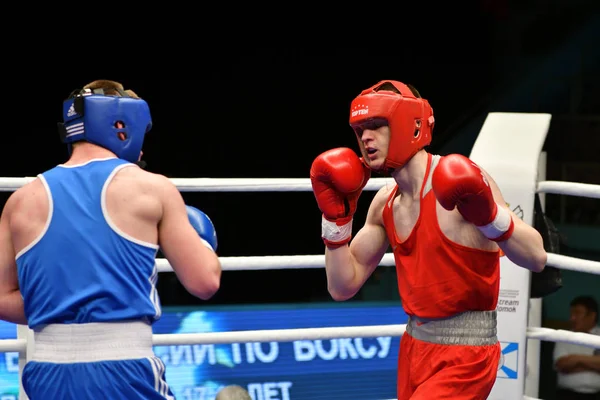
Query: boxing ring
point(535, 126)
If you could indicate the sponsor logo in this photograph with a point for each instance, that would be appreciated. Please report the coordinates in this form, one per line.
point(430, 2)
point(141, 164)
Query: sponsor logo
point(508, 364)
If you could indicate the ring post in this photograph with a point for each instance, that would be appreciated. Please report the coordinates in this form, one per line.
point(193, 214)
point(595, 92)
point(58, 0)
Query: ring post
point(23, 332)
point(508, 147)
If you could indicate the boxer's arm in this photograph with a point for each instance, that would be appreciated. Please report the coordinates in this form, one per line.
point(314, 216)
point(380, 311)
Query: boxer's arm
point(197, 266)
point(349, 267)
point(525, 247)
point(11, 302)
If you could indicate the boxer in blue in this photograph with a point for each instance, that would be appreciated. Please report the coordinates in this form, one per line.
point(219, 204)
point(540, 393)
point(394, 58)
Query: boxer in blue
point(77, 255)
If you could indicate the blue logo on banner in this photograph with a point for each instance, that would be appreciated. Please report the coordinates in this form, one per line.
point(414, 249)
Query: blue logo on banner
point(509, 360)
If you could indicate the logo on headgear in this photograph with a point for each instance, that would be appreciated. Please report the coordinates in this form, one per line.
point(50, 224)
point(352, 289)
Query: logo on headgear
point(360, 109)
point(71, 112)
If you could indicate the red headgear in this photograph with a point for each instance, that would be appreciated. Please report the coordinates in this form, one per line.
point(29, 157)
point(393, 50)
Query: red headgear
point(409, 117)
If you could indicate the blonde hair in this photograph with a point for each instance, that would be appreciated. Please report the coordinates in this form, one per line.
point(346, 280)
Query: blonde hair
point(110, 88)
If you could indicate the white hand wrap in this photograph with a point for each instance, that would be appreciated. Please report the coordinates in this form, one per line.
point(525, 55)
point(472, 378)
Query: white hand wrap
point(499, 225)
point(331, 232)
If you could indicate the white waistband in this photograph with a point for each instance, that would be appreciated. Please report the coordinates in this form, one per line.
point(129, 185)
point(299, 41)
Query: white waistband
point(91, 342)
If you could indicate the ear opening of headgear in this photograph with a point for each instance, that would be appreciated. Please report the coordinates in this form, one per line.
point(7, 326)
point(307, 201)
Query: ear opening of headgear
point(118, 123)
point(408, 115)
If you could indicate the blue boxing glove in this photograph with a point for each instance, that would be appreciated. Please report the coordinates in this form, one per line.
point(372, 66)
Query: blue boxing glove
point(204, 226)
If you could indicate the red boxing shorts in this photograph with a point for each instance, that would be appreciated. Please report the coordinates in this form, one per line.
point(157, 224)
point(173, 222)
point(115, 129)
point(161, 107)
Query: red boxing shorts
point(436, 371)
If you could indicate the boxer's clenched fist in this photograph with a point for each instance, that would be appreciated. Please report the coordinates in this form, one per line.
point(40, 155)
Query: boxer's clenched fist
point(459, 182)
point(338, 177)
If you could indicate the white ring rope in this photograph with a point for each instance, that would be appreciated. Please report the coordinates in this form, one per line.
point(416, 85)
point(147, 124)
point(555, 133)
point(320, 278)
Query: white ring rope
point(304, 185)
point(256, 263)
point(318, 261)
point(573, 264)
point(278, 335)
point(7, 345)
point(289, 335)
point(564, 336)
point(570, 189)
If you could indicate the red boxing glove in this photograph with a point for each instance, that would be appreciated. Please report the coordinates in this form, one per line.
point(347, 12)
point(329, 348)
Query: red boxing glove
point(338, 177)
point(459, 182)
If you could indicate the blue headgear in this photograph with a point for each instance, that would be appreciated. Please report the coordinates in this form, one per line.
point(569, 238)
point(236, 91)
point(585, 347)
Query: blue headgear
point(92, 116)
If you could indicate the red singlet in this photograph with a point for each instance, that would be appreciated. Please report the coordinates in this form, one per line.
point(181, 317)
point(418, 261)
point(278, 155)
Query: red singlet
point(438, 278)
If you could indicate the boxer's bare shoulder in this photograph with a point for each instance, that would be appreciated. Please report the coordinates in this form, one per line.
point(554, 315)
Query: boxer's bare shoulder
point(375, 214)
point(31, 199)
point(137, 201)
point(144, 183)
point(26, 211)
point(383, 193)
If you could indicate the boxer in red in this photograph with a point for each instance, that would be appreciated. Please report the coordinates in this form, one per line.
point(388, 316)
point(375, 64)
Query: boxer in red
point(446, 222)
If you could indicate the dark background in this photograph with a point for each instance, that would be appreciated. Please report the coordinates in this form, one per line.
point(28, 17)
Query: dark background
point(267, 113)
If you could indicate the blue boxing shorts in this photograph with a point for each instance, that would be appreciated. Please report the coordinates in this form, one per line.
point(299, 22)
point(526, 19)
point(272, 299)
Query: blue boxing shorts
point(95, 361)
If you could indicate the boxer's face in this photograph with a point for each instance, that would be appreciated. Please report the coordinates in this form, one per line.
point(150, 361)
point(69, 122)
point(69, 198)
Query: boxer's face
point(374, 138)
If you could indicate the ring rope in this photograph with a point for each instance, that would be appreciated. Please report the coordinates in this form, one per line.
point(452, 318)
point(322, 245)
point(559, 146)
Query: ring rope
point(317, 261)
point(255, 263)
point(278, 335)
point(573, 263)
point(570, 188)
point(288, 335)
point(8, 345)
point(564, 336)
point(304, 185)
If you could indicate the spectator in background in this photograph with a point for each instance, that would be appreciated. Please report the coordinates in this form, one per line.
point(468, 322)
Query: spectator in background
point(578, 367)
point(233, 392)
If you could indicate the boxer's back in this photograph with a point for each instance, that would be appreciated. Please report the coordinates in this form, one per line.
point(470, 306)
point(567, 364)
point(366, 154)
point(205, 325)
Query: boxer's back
point(86, 241)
